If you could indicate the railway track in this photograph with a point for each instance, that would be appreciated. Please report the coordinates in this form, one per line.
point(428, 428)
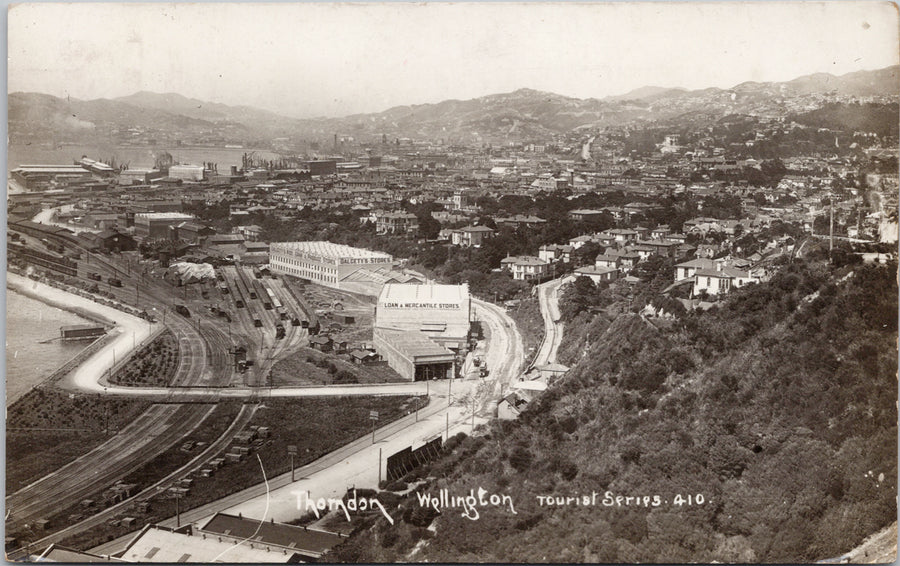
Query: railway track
point(241, 420)
point(204, 361)
point(100, 468)
point(158, 428)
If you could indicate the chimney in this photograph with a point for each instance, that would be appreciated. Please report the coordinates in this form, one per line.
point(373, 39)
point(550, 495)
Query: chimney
point(234, 170)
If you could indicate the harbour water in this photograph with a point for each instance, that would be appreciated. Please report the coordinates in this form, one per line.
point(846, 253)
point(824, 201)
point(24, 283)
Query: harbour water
point(28, 361)
point(135, 157)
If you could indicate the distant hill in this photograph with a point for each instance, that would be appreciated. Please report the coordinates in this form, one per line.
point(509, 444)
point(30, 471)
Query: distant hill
point(522, 115)
point(246, 116)
point(647, 93)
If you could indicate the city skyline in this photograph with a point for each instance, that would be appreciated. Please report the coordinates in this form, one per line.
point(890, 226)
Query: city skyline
point(333, 60)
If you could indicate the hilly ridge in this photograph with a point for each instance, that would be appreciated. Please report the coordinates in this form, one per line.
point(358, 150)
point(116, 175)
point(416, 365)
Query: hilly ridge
point(524, 114)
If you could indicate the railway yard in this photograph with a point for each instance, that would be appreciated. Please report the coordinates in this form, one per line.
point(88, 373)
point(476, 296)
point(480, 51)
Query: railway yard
point(229, 331)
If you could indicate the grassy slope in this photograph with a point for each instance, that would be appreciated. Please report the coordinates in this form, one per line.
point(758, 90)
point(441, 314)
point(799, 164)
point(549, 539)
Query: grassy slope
point(37, 439)
point(773, 407)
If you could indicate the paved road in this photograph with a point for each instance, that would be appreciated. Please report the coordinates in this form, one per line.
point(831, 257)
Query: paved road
point(504, 358)
point(586, 150)
point(548, 297)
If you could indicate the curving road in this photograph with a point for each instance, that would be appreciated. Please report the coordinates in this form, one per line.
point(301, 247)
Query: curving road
point(548, 297)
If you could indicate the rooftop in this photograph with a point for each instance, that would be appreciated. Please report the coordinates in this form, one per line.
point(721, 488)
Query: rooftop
point(594, 270)
point(156, 544)
point(164, 216)
point(414, 344)
point(327, 249)
point(298, 538)
point(430, 293)
point(524, 260)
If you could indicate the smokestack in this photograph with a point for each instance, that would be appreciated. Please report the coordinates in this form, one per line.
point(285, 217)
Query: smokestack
point(234, 170)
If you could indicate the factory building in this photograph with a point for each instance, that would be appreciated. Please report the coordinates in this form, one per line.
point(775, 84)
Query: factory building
point(152, 225)
point(322, 167)
point(441, 312)
point(413, 355)
point(139, 176)
point(42, 176)
point(187, 172)
point(325, 263)
point(418, 328)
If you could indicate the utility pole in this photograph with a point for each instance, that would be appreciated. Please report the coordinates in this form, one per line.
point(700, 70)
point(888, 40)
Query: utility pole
point(447, 427)
point(177, 511)
point(379, 466)
point(292, 450)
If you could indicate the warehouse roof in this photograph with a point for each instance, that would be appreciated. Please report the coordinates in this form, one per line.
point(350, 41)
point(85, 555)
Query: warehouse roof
point(327, 249)
point(429, 292)
point(298, 538)
point(413, 344)
point(155, 544)
point(164, 216)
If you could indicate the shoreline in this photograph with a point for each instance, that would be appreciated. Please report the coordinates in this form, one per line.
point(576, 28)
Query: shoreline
point(21, 286)
point(127, 332)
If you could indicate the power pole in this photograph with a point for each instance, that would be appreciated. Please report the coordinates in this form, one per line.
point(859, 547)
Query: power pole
point(177, 511)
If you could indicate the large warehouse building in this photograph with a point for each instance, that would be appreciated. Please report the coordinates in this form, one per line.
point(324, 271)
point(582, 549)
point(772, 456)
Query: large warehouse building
point(417, 328)
point(325, 263)
point(151, 225)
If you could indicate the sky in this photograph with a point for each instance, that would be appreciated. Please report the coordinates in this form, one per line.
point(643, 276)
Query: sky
point(325, 59)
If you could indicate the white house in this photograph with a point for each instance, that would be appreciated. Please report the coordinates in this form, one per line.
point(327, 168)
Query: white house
point(524, 267)
point(598, 274)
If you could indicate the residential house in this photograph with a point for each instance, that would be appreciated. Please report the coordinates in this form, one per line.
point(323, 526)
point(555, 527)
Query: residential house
point(660, 232)
point(556, 252)
point(721, 280)
point(598, 274)
point(470, 236)
point(524, 268)
point(586, 215)
point(519, 220)
point(579, 241)
point(625, 259)
point(688, 269)
point(250, 232)
point(396, 223)
point(657, 247)
point(623, 235)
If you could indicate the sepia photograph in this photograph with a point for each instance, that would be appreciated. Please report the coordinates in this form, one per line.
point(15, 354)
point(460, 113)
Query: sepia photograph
point(478, 282)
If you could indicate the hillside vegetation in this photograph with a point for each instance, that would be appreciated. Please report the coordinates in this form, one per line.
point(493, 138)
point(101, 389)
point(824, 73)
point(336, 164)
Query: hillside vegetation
point(766, 427)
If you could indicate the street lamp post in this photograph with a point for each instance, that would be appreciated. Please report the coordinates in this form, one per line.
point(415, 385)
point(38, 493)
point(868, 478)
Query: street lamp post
point(292, 450)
